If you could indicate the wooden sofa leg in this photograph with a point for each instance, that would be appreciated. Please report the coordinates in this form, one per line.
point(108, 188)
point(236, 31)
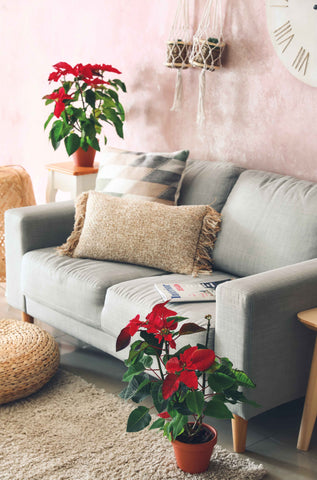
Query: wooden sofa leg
point(27, 318)
point(239, 433)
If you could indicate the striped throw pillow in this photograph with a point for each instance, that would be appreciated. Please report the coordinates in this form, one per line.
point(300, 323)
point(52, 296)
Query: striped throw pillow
point(152, 177)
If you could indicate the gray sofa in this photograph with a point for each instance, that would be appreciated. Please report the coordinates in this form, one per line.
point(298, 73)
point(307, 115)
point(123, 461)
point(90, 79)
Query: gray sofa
point(267, 245)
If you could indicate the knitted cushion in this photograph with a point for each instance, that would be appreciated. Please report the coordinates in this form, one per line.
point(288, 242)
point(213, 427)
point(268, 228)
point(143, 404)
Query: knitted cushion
point(147, 176)
point(174, 239)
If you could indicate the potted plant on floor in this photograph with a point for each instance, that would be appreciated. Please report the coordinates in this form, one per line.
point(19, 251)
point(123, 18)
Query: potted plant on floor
point(189, 382)
point(84, 102)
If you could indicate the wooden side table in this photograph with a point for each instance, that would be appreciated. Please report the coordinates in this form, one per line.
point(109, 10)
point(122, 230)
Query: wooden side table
point(309, 319)
point(67, 177)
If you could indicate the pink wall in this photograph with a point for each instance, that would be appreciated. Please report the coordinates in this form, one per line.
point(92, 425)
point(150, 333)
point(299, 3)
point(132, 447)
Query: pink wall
point(258, 114)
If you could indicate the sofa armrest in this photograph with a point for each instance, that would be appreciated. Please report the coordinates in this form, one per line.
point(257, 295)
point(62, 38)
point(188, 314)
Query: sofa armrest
point(30, 228)
point(257, 328)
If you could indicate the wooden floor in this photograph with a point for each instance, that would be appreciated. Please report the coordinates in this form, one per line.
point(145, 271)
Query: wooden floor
point(272, 436)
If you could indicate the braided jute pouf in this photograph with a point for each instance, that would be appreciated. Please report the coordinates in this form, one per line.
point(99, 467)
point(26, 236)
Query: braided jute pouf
point(29, 357)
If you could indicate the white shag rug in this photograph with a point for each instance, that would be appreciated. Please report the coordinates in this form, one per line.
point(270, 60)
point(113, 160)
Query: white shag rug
point(71, 430)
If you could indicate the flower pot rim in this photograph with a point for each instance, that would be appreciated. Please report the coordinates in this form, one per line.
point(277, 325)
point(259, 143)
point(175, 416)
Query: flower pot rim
point(212, 440)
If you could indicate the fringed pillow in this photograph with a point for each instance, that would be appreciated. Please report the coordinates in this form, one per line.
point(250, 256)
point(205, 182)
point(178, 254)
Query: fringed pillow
point(174, 239)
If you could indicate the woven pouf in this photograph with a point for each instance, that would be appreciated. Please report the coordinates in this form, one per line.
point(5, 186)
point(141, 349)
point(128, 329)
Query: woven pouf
point(29, 357)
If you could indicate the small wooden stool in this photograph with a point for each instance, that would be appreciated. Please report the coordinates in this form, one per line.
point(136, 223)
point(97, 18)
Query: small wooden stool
point(309, 319)
point(67, 177)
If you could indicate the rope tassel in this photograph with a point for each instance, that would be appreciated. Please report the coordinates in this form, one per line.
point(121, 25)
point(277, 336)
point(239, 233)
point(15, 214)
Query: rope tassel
point(178, 95)
point(201, 99)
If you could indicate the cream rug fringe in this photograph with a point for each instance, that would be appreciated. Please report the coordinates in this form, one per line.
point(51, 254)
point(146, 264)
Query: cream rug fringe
point(71, 430)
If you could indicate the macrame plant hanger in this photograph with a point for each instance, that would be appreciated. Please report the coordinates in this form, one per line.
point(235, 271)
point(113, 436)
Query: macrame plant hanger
point(179, 48)
point(208, 46)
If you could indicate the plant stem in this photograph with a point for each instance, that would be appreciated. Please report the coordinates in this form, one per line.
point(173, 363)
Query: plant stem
point(159, 364)
point(208, 318)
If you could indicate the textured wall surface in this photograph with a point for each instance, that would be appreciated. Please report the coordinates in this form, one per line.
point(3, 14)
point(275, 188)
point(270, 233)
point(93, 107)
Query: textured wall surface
point(257, 114)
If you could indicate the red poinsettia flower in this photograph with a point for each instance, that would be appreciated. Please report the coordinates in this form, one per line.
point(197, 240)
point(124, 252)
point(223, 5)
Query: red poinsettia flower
point(95, 82)
point(59, 96)
point(164, 415)
point(127, 332)
point(182, 369)
point(108, 68)
point(159, 325)
point(63, 67)
point(134, 325)
point(84, 71)
point(54, 76)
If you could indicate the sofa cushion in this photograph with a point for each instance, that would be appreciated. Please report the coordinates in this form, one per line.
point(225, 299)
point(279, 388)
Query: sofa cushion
point(147, 176)
point(174, 239)
point(206, 182)
point(71, 286)
point(125, 300)
point(269, 221)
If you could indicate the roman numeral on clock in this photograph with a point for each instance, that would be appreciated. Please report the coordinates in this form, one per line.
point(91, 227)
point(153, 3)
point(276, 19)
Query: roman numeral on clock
point(301, 60)
point(284, 35)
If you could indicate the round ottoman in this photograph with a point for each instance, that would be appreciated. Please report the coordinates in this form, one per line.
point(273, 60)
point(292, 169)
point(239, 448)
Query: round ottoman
point(29, 357)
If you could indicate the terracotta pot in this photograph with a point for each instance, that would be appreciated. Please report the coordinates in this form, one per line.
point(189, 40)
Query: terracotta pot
point(84, 159)
point(194, 457)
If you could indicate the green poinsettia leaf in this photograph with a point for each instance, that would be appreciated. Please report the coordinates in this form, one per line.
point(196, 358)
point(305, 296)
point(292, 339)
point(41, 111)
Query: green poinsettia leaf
point(195, 402)
point(138, 419)
point(106, 100)
point(72, 143)
point(118, 83)
point(218, 382)
point(94, 143)
point(133, 370)
point(131, 389)
point(159, 423)
point(120, 110)
point(243, 379)
point(112, 117)
point(177, 318)
point(157, 397)
point(113, 94)
point(56, 133)
point(216, 408)
point(176, 426)
point(90, 96)
point(51, 115)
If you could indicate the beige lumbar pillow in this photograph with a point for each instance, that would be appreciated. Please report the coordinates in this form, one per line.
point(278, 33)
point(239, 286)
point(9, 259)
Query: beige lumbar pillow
point(174, 239)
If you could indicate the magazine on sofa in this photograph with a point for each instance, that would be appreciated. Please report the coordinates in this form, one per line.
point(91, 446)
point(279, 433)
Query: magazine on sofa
point(189, 292)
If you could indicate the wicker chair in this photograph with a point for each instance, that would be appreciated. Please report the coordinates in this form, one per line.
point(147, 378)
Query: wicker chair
point(16, 190)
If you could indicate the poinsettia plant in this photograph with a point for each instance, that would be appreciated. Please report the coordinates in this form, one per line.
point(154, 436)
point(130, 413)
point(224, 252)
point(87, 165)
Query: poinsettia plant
point(184, 384)
point(83, 102)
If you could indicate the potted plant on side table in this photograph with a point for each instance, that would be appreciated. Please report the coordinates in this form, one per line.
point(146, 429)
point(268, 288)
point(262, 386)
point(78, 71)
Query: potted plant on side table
point(190, 382)
point(84, 102)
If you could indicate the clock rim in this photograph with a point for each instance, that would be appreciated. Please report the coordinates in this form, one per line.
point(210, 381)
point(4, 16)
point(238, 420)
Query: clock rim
point(311, 81)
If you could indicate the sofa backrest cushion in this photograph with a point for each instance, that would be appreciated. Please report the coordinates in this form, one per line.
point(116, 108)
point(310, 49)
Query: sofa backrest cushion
point(268, 221)
point(206, 182)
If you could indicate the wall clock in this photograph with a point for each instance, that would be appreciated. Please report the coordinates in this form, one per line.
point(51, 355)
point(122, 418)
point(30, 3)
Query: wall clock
point(293, 30)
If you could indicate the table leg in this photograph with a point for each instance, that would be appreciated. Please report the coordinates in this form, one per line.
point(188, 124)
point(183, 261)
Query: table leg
point(310, 407)
point(50, 190)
